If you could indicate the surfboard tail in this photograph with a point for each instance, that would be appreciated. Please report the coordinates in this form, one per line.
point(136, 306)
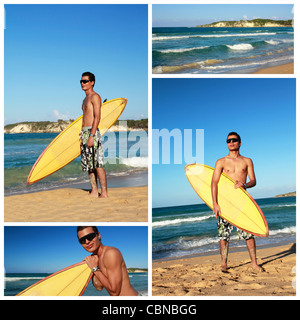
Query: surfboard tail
point(70, 281)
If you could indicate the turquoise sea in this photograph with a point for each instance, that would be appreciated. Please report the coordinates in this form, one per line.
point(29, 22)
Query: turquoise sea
point(220, 50)
point(191, 230)
point(17, 282)
point(125, 153)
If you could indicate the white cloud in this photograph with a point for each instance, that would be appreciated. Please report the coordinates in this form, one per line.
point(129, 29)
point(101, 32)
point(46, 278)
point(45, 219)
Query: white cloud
point(61, 116)
point(245, 17)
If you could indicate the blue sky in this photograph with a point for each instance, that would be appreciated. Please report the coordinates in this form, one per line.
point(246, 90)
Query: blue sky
point(190, 15)
point(262, 111)
point(49, 249)
point(48, 47)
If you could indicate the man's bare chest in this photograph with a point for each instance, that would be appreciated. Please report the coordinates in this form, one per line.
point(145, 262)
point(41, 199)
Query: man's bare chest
point(87, 106)
point(234, 168)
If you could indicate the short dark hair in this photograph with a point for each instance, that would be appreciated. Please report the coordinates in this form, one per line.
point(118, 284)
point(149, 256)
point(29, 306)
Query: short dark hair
point(90, 75)
point(84, 227)
point(234, 134)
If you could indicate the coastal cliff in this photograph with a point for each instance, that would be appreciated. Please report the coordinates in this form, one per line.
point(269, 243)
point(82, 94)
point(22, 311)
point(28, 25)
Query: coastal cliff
point(248, 24)
point(60, 125)
point(290, 194)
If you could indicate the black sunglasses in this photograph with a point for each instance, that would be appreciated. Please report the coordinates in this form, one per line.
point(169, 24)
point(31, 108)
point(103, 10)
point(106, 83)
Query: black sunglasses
point(232, 140)
point(84, 81)
point(88, 237)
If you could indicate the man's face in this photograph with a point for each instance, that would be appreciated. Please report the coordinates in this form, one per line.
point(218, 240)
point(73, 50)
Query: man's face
point(89, 240)
point(88, 85)
point(233, 143)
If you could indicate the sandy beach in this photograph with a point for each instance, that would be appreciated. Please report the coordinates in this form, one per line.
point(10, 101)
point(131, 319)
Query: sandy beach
point(201, 276)
point(282, 69)
point(75, 205)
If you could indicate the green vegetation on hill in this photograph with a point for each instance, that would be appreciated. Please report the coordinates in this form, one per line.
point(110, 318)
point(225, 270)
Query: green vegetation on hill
point(48, 126)
point(289, 194)
point(135, 124)
point(255, 22)
point(137, 270)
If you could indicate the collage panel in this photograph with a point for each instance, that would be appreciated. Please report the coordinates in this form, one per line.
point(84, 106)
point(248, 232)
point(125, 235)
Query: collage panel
point(76, 132)
point(76, 150)
point(57, 261)
point(212, 39)
point(223, 187)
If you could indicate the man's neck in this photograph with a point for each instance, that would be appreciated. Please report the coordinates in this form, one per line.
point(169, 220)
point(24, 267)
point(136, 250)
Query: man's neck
point(234, 154)
point(89, 92)
point(99, 251)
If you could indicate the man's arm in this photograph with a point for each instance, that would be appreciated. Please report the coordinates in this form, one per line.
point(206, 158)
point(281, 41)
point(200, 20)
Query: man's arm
point(97, 284)
point(214, 186)
point(112, 281)
point(251, 175)
point(96, 101)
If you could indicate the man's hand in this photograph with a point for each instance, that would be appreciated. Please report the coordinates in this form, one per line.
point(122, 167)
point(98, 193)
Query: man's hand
point(238, 184)
point(217, 210)
point(92, 261)
point(90, 142)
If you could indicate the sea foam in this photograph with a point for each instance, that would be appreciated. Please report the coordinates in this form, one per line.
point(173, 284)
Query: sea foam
point(182, 50)
point(165, 223)
point(164, 38)
point(135, 162)
point(8, 279)
point(241, 46)
point(272, 42)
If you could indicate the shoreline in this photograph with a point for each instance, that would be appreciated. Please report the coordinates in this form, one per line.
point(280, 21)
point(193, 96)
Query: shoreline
point(286, 68)
point(201, 275)
point(135, 178)
point(127, 204)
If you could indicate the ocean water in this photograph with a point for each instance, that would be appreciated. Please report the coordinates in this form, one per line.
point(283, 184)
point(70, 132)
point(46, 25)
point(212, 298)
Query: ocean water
point(17, 282)
point(125, 153)
point(220, 50)
point(187, 230)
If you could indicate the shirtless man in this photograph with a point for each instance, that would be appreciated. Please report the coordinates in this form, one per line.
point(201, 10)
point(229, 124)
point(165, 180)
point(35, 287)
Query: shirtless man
point(238, 168)
point(91, 146)
point(106, 263)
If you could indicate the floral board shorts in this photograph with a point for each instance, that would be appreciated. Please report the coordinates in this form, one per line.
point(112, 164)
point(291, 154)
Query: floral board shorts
point(225, 228)
point(91, 157)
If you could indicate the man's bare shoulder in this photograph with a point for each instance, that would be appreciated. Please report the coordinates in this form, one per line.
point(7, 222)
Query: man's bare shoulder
point(248, 161)
point(95, 97)
point(221, 161)
point(111, 252)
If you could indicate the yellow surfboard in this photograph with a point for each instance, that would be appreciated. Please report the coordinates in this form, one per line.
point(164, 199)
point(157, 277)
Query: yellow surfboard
point(66, 146)
point(71, 281)
point(237, 206)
